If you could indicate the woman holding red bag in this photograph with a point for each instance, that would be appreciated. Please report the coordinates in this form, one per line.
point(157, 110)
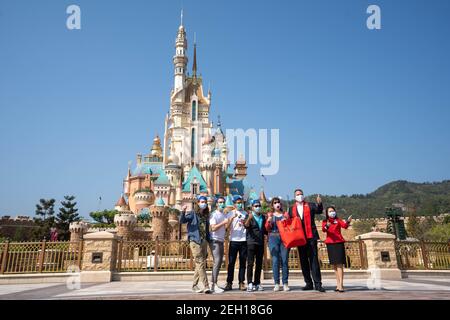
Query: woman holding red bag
point(278, 251)
point(335, 243)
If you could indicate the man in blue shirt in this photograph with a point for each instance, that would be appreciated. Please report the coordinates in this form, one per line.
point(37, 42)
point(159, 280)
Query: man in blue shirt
point(198, 237)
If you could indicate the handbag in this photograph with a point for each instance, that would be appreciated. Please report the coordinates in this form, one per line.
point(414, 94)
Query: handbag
point(291, 232)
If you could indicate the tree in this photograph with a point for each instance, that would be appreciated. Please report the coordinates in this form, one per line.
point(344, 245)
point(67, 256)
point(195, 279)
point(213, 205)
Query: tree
point(363, 226)
point(104, 217)
point(447, 219)
point(67, 214)
point(413, 226)
point(45, 208)
point(418, 229)
point(44, 219)
point(440, 233)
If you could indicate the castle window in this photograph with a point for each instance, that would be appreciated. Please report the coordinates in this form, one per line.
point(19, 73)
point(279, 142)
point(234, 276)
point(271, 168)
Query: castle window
point(193, 143)
point(194, 188)
point(194, 110)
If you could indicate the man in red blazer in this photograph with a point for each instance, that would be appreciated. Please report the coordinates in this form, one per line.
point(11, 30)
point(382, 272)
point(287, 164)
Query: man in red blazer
point(308, 253)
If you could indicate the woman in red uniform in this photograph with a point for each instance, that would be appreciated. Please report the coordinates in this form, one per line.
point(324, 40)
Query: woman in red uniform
point(335, 243)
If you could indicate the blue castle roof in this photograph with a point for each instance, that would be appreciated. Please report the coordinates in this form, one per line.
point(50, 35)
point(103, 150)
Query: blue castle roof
point(194, 173)
point(160, 202)
point(147, 168)
point(162, 179)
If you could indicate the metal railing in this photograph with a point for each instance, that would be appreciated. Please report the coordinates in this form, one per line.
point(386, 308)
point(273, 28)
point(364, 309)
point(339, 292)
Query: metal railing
point(39, 257)
point(153, 256)
point(415, 255)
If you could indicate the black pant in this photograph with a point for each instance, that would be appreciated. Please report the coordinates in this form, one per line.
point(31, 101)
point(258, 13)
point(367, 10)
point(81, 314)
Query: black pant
point(254, 251)
point(309, 260)
point(233, 250)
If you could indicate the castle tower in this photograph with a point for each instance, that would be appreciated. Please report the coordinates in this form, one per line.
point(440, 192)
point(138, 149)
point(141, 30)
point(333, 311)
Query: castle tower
point(160, 217)
point(126, 181)
point(180, 59)
point(174, 224)
point(262, 196)
point(240, 168)
point(143, 199)
point(125, 222)
point(121, 204)
point(77, 230)
point(156, 147)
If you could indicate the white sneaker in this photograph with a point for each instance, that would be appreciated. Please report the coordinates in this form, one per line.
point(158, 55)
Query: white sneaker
point(286, 287)
point(250, 287)
point(276, 288)
point(216, 289)
point(259, 287)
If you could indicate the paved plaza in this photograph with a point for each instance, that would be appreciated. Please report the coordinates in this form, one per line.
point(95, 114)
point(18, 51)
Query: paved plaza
point(405, 289)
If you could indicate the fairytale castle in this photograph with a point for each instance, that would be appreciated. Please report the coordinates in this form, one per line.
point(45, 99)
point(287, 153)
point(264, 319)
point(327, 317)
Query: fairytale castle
point(191, 159)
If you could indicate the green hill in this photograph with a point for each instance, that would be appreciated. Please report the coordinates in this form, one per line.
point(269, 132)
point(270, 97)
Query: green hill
point(421, 198)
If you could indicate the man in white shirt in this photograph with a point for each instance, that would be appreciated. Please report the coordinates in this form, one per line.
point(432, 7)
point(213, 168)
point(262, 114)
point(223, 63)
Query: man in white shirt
point(218, 222)
point(238, 243)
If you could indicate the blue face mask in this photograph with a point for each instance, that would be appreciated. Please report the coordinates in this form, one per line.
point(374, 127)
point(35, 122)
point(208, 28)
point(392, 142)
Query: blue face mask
point(239, 206)
point(221, 206)
point(257, 209)
point(332, 214)
point(202, 205)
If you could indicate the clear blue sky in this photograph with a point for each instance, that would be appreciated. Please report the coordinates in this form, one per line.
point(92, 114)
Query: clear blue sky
point(356, 108)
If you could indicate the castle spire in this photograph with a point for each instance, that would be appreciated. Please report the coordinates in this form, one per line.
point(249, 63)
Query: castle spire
point(194, 64)
point(180, 59)
point(181, 24)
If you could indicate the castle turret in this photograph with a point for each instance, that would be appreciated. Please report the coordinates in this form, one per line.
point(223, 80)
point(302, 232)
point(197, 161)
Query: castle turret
point(262, 196)
point(121, 204)
point(126, 181)
point(77, 230)
point(143, 199)
point(125, 223)
point(160, 217)
point(180, 59)
point(156, 147)
point(240, 168)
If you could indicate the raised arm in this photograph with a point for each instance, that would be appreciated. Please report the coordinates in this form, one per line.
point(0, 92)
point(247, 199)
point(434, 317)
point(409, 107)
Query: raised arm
point(268, 223)
point(345, 223)
point(247, 221)
point(186, 217)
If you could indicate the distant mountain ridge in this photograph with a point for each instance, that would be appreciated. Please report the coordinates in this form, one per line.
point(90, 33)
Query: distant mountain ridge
point(428, 198)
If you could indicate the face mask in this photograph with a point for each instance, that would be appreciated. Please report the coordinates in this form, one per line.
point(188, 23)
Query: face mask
point(202, 205)
point(332, 214)
point(300, 198)
point(257, 209)
point(239, 206)
point(277, 206)
point(222, 206)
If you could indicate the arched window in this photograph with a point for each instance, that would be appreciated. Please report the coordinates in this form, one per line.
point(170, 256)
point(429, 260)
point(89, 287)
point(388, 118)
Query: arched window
point(193, 143)
point(194, 110)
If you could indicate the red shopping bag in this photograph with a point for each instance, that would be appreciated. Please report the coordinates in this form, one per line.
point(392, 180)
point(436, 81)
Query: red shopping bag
point(291, 232)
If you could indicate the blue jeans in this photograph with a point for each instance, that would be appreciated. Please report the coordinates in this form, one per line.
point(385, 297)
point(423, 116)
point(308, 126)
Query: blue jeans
point(278, 252)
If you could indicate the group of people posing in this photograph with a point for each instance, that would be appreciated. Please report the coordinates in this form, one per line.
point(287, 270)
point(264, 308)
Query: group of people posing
point(246, 231)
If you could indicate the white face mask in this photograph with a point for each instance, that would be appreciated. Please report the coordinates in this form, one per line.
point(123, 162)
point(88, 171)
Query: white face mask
point(300, 198)
point(202, 205)
point(332, 214)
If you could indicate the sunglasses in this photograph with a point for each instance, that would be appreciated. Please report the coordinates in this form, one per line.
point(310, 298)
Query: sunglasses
point(257, 206)
point(275, 202)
